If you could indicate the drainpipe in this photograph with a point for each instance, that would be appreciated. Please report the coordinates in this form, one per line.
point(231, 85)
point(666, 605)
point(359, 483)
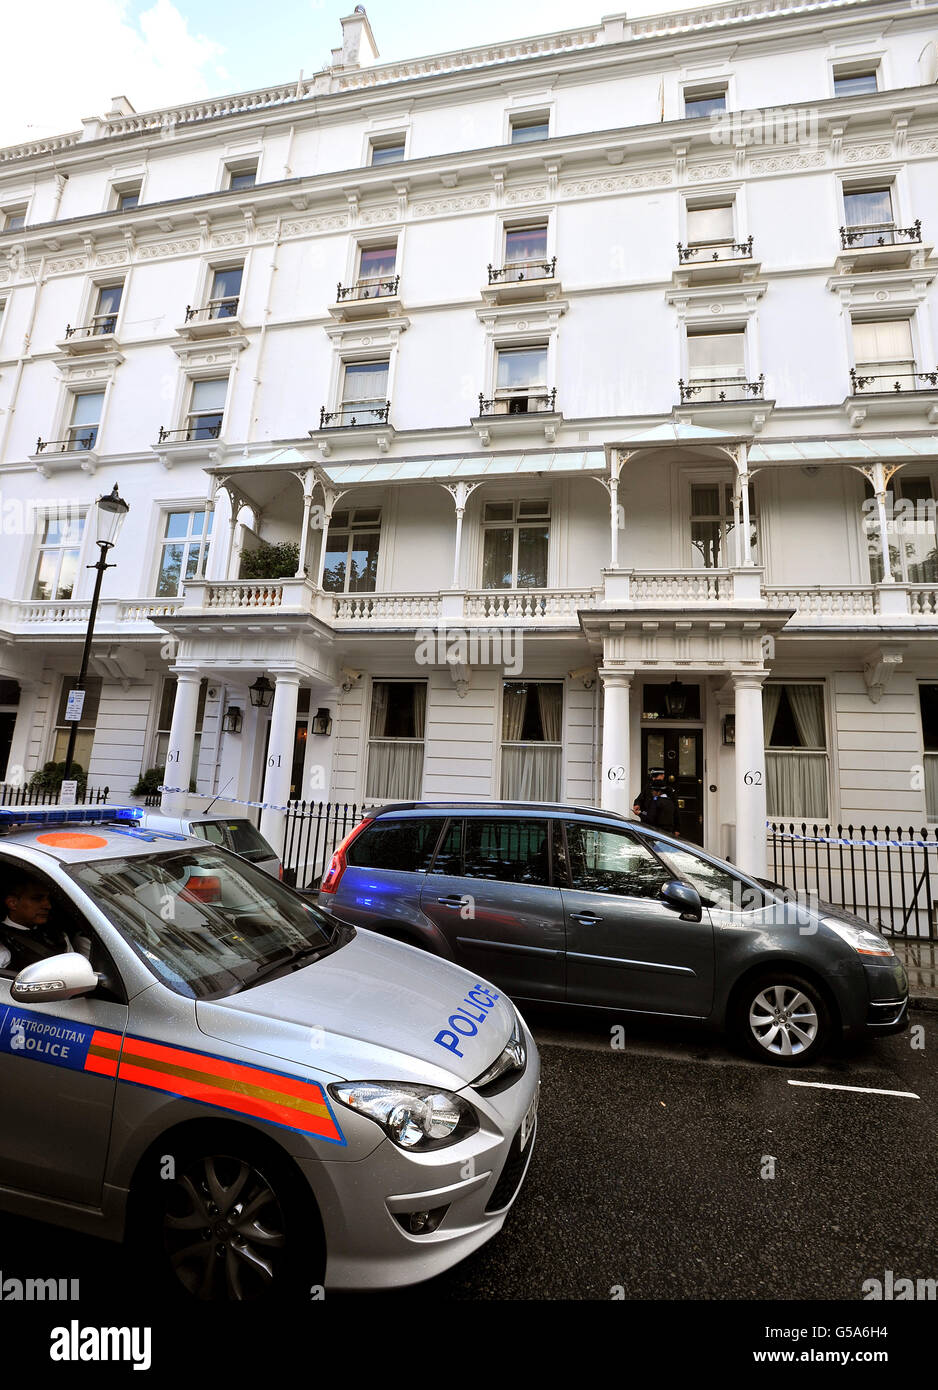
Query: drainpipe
point(262, 341)
point(21, 361)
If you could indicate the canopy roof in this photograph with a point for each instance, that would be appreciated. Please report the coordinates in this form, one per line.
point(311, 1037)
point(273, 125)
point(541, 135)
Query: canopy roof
point(872, 449)
point(432, 469)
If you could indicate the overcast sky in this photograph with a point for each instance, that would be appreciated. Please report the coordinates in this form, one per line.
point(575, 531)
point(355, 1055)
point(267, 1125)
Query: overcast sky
point(65, 59)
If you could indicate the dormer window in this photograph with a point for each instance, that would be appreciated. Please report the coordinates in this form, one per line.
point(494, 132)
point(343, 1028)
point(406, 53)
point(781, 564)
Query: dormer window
point(242, 176)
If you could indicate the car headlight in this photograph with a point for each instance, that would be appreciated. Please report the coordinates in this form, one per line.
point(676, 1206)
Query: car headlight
point(863, 940)
point(513, 1058)
point(414, 1117)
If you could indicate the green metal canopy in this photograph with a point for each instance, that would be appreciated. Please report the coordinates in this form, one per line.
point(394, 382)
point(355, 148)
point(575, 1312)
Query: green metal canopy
point(872, 449)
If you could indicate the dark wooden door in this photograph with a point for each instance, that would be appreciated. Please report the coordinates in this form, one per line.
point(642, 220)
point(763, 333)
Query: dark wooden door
point(679, 752)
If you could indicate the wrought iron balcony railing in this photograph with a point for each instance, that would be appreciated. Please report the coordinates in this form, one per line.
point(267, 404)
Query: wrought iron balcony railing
point(718, 250)
point(517, 271)
point(525, 402)
point(355, 414)
point(190, 433)
point(880, 234)
point(370, 288)
point(82, 438)
point(99, 325)
point(869, 383)
point(224, 308)
point(722, 388)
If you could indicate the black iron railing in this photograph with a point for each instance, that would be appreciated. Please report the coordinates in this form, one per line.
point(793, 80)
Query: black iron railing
point(720, 250)
point(532, 402)
point(223, 308)
point(349, 416)
point(100, 325)
point(368, 289)
point(887, 875)
point(517, 271)
point(312, 831)
point(190, 432)
point(722, 388)
point(83, 438)
point(11, 795)
point(880, 234)
point(891, 382)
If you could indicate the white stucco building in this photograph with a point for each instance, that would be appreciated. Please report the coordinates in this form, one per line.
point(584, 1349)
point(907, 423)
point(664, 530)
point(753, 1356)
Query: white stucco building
point(568, 367)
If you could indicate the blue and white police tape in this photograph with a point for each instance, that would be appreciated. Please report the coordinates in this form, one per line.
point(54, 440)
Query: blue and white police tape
point(857, 844)
point(231, 800)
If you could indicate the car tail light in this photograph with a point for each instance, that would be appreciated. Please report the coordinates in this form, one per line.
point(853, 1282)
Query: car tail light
point(280, 872)
point(203, 888)
point(338, 864)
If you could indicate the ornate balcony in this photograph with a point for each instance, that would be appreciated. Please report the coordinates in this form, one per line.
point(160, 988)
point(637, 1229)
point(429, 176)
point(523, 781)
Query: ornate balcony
point(518, 281)
point(517, 412)
point(722, 388)
point(354, 416)
point(94, 337)
point(892, 381)
point(371, 297)
point(881, 246)
point(218, 318)
point(189, 434)
point(358, 422)
point(706, 262)
point(880, 234)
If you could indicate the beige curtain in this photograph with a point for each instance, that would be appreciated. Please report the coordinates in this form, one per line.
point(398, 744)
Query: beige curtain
point(514, 701)
point(550, 702)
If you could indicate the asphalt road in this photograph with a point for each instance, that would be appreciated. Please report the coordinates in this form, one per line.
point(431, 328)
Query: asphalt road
point(646, 1182)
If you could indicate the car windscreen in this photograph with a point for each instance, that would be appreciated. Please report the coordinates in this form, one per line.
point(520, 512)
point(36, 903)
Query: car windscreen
point(207, 923)
point(239, 836)
point(716, 883)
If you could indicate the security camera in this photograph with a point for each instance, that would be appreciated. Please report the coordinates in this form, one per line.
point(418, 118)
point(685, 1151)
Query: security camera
point(350, 678)
point(586, 674)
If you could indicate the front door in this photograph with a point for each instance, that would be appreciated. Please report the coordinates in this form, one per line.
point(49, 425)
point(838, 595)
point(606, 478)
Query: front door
point(679, 753)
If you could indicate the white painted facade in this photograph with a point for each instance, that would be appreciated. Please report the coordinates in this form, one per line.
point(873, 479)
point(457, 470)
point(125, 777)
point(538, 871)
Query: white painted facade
point(631, 591)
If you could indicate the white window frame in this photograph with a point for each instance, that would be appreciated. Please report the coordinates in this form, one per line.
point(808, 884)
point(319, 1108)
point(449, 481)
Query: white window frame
point(544, 337)
point(188, 393)
point(697, 88)
point(856, 65)
point(931, 813)
point(93, 295)
point(369, 526)
point(394, 680)
point(514, 525)
point(828, 816)
point(894, 315)
point(119, 187)
point(189, 505)
point(14, 209)
point(372, 243)
point(41, 516)
point(519, 222)
point(378, 139)
point(501, 742)
point(692, 329)
point(213, 268)
point(539, 113)
point(359, 360)
point(713, 478)
point(234, 165)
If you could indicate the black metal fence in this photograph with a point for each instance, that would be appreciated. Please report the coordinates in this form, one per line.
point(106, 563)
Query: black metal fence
point(885, 874)
point(11, 795)
point(312, 831)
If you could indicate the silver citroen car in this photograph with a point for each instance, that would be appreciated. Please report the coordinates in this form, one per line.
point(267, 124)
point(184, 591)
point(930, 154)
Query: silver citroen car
point(271, 1101)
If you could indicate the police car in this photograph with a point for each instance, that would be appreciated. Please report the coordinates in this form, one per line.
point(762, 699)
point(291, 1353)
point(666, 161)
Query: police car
point(267, 1099)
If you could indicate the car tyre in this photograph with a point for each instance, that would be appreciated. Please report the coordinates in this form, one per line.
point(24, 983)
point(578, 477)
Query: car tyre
point(782, 1018)
point(230, 1222)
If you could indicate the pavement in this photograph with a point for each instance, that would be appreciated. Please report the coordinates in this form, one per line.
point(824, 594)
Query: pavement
point(920, 959)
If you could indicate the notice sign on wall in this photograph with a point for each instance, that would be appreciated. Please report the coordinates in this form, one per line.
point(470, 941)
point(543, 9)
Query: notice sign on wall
point(68, 793)
point(74, 706)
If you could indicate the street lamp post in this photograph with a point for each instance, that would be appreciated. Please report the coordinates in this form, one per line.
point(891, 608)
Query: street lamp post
point(110, 513)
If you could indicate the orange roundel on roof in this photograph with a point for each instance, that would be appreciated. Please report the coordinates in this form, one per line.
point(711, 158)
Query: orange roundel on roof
point(72, 839)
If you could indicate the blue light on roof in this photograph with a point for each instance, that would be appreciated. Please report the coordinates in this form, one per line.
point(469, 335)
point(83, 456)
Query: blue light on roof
point(66, 815)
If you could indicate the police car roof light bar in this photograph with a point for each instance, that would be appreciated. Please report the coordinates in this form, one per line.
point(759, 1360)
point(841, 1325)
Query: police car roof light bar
point(64, 815)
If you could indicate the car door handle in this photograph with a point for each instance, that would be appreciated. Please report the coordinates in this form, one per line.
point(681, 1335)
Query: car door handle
point(588, 919)
point(451, 901)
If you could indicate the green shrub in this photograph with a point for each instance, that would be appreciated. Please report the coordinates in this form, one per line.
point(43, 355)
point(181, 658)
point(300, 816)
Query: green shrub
point(271, 561)
point(51, 776)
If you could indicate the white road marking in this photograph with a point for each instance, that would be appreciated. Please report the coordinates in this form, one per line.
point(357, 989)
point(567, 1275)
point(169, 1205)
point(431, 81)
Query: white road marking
point(867, 1090)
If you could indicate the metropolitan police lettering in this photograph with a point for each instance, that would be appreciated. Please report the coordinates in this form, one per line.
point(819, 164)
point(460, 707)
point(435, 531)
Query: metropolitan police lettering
point(44, 1039)
point(465, 1022)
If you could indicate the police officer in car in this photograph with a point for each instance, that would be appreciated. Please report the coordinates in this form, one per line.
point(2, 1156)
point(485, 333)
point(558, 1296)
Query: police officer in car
point(25, 932)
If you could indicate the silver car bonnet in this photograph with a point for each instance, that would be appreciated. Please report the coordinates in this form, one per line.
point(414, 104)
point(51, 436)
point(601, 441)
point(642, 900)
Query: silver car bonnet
point(373, 1010)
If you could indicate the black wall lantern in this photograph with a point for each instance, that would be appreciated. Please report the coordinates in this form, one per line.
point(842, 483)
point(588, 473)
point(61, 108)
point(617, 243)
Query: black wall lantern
point(675, 699)
point(322, 721)
point(232, 721)
point(261, 692)
point(729, 728)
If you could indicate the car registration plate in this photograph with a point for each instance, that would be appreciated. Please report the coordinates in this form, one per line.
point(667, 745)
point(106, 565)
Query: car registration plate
point(527, 1124)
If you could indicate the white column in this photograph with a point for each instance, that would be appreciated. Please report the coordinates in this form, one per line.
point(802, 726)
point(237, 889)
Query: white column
point(280, 756)
point(737, 526)
point(304, 532)
point(613, 522)
point(615, 774)
point(880, 484)
point(178, 768)
point(750, 773)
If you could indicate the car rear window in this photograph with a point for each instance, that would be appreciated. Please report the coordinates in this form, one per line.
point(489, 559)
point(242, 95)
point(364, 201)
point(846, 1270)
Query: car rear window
point(507, 849)
point(405, 845)
point(239, 836)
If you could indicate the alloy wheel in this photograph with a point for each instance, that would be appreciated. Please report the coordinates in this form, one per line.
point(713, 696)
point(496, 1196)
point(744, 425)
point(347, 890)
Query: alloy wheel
point(224, 1229)
point(784, 1020)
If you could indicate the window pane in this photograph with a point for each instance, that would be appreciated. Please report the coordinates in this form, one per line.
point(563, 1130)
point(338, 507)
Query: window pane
point(210, 394)
point(67, 574)
point(192, 561)
point(605, 861)
point(363, 564)
point(526, 244)
point(406, 846)
point(704, 105)
point(245, 178)
point(499, 511)
point(715, 354)
point(44, 586)
point(128, 201)
point(377, 262)
point(496, 558)
point(710, 224)
point(522, 367)
point(333, 574)
point(227, 283)
point(387, 154)
point(509, 851)
point(872, 207)
point(705, 501)
point(167, 584)
point(524, 131)
point(109, 299)
point(366, 381)
point(851, 86)
point(889, 340)
point(398, 709)
point(87, 408)
point(532, 556)
point(177, 525)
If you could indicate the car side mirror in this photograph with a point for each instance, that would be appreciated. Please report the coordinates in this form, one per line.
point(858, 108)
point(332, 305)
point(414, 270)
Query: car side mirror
point(57, 977)
point(683, 898)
